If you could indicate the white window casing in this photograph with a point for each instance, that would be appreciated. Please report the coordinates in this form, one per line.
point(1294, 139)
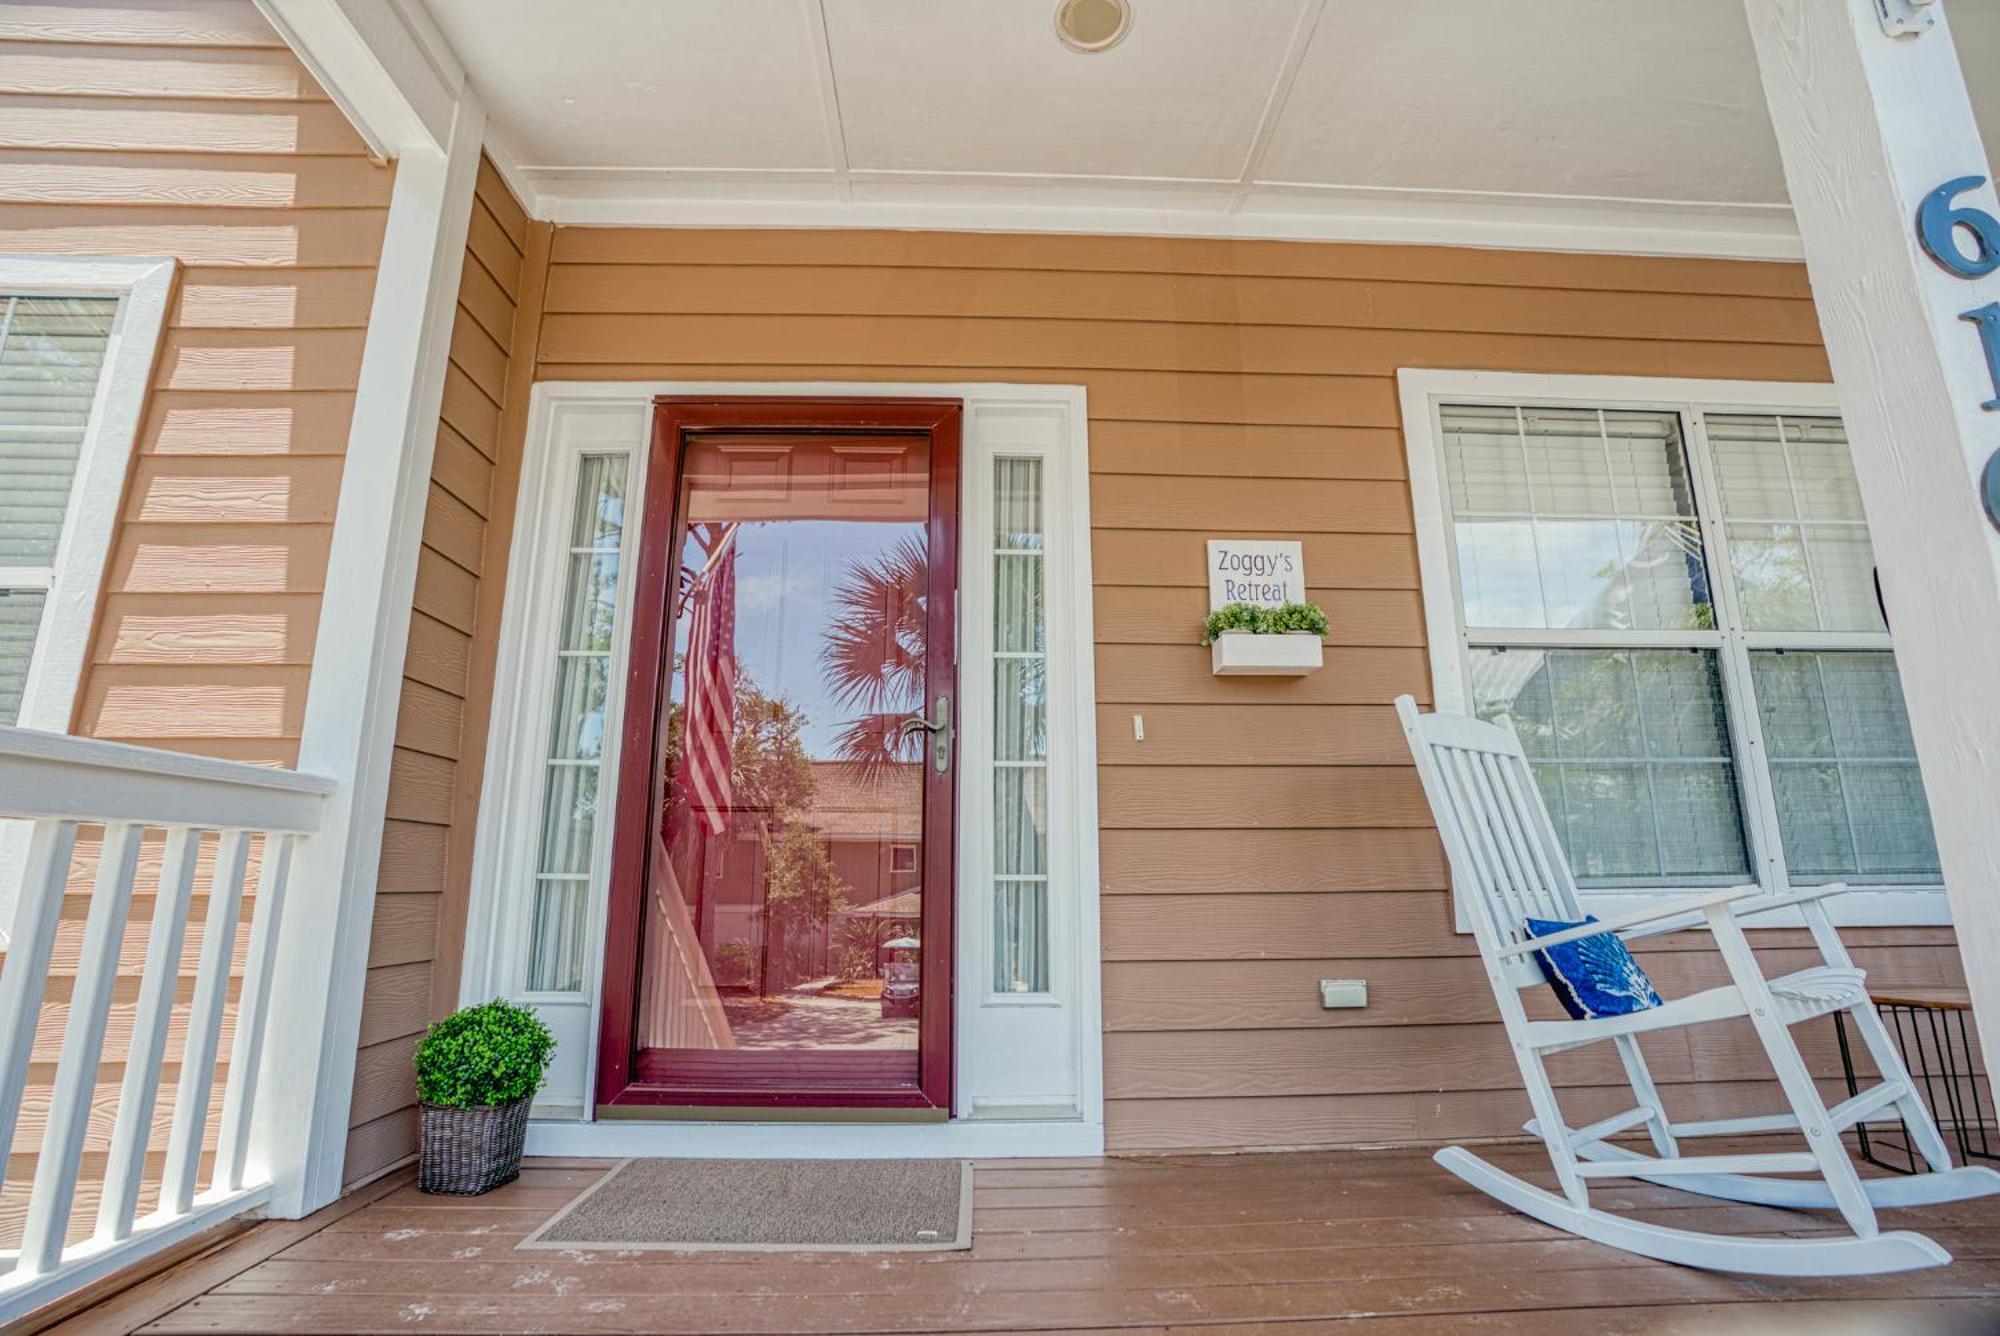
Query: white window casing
point(1760, 487)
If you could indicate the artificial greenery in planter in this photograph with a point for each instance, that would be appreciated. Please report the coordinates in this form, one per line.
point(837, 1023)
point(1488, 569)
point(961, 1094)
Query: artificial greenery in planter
point(477, 1071)
point(1286, 619)
point(1271, 642)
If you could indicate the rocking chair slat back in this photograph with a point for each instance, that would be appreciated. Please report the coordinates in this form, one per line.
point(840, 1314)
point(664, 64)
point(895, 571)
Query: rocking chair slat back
point(1507, 865)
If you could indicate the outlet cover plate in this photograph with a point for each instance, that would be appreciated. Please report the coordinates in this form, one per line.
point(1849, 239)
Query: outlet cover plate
point(1336, 993)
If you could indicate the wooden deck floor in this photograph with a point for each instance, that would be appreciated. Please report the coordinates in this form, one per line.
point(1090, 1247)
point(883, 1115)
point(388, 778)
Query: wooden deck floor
point(1301, 1242)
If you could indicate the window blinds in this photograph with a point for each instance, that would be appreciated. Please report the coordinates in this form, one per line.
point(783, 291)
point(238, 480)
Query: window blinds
point(51, 355)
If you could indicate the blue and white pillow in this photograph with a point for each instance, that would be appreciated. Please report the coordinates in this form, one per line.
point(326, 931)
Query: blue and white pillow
point(1594, 976)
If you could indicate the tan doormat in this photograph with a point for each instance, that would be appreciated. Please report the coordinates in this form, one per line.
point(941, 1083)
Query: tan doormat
point(770, 1206)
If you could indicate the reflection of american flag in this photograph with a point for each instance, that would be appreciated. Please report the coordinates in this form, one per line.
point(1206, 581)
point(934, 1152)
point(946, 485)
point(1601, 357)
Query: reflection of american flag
point(711, 687)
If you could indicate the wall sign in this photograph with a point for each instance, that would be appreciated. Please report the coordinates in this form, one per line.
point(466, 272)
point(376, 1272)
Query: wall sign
point(1262, 571)
point(1940, 225)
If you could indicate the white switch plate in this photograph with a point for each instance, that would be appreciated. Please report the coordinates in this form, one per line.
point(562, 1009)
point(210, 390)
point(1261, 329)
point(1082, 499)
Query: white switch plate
point(1343, 993)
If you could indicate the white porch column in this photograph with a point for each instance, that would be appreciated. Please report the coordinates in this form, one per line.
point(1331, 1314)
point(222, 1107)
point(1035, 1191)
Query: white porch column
point(421, 112)
point(1868, 125)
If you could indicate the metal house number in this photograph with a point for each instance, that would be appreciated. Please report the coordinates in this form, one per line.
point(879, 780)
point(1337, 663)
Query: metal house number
point(1940, 225)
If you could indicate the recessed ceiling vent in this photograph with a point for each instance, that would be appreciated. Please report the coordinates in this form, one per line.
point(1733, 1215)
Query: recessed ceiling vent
point(1093, 25)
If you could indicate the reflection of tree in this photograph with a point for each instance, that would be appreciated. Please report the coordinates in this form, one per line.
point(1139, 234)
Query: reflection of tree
point(873, 657)
point(1663, 583)
point(1772, 573)
point(800, 892)
point(771, 794)
point(769, 771)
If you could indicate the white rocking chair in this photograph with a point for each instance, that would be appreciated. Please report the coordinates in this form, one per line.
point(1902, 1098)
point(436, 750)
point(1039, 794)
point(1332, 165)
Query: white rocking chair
point(1508, 867)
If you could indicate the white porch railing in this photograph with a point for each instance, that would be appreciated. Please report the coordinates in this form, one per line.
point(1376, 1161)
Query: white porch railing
point(198, 813)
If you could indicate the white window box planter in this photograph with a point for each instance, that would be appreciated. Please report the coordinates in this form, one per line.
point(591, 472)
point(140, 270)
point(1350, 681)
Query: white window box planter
point(1247, 653)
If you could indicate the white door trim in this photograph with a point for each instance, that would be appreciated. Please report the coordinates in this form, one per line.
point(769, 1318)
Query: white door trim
point(570, 419)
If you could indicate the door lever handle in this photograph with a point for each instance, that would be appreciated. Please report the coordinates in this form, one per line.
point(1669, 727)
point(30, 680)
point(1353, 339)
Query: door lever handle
point(939, 728)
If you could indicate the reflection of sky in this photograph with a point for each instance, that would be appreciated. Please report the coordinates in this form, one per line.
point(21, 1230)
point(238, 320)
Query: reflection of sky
point(1579, 573)
point(786, 575)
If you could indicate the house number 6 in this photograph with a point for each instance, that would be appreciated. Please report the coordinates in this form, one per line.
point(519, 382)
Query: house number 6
point(1939, 224)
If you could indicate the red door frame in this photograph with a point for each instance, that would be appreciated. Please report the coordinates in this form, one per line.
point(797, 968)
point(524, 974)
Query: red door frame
point(634, 845)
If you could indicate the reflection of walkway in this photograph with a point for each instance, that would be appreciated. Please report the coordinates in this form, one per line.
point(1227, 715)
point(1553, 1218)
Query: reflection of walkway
point(809, 1020)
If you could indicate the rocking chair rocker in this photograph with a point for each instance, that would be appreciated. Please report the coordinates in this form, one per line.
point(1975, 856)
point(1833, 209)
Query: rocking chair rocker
point(1508, 867)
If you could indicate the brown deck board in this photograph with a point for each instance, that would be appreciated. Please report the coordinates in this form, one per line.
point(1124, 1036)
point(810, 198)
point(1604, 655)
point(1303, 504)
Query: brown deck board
point(1282, 1244)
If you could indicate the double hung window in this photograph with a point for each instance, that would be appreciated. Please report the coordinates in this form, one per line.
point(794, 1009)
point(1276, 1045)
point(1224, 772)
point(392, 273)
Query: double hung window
point(1676, 609)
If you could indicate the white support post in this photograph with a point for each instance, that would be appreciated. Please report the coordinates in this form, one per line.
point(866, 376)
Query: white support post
point(299, 1126)
point(1869, 124)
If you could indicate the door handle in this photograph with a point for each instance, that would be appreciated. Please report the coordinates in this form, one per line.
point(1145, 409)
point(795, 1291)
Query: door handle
point(940, 730)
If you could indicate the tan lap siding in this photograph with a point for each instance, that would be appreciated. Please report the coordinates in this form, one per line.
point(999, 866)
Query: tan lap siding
point(189, 130)
point(441, 720)
point(1267, 833)
point(186, 129)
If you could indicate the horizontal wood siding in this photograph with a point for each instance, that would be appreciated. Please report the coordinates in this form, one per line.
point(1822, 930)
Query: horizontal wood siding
point(1268, 833)
point(433, 775)
point(186, 128)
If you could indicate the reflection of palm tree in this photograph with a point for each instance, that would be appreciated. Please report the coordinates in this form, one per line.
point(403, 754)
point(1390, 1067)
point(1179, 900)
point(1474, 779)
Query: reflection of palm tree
point(874, 653)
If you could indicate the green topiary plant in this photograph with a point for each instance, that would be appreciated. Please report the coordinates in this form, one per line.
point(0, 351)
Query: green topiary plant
point(1231, 617)
point(1295, 617)
point(486, 1056)
point(1249, 617)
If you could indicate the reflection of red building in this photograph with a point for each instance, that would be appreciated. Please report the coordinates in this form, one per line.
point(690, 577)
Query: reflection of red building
point(870, 822)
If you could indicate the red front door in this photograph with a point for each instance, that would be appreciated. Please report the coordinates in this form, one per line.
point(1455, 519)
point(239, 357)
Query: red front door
point(782, 870)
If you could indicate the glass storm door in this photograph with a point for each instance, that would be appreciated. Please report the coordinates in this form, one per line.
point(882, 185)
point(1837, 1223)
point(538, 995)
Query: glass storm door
point(781, 891)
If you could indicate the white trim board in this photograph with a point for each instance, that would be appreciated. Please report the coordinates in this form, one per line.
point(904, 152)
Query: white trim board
point(355, 691)
point(383, 62)
point(1130, 206)
point(568, 420)
point(1420, 394)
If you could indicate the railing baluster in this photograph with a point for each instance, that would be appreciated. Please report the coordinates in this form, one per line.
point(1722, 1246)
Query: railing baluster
point(54, 1192)
point(211, 990)
point(246, 1053)
point(27, 968)
point(125, 1166)
point(52, 784)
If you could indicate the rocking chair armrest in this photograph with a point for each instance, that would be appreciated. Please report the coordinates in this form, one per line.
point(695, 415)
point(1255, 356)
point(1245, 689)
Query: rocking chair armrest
point(1697, 904)
point(1764, 904)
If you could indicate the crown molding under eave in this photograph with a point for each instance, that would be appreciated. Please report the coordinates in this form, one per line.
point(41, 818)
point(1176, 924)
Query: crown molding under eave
point(505, 161)
point(1263, 211)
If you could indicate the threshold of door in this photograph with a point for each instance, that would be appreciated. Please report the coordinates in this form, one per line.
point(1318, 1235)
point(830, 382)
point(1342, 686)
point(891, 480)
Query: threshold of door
point(970, 1138)
point(766, 1113)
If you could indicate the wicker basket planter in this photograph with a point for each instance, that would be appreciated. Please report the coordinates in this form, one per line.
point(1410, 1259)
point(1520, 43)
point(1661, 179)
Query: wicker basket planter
point(469, 1151)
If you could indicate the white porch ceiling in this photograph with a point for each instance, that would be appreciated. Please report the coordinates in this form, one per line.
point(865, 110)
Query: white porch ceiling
point(1576, 124)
